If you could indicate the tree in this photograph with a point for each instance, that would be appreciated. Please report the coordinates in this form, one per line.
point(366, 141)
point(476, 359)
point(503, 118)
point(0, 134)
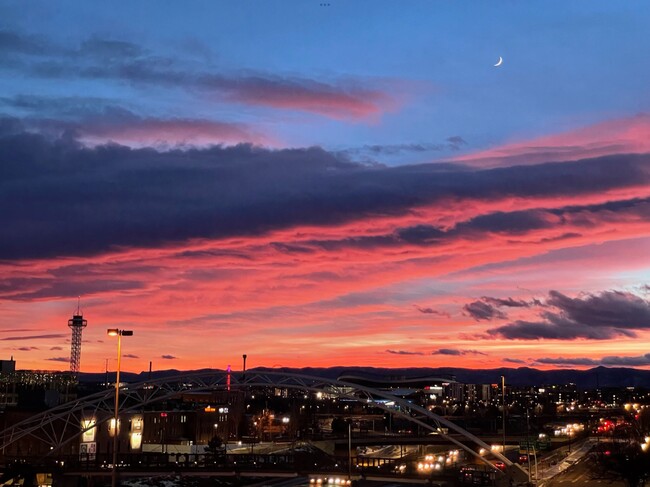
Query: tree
point(624, 460)
point(339, 426)
point(216, 448)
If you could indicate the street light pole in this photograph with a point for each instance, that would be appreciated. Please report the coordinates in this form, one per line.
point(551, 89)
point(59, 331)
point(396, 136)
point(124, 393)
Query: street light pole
point(118, 333)
point(350, 450)
point(528, 444)
point(503, 394)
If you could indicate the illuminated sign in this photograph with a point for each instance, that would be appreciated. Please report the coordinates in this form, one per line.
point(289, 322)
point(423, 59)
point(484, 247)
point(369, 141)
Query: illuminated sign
point(88, 428)
point(88, 451)
point(136, 441)
point(111, 427)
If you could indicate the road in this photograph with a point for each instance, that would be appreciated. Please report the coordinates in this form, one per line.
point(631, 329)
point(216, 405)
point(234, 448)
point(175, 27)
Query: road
point(576, 470)
point(582, 474)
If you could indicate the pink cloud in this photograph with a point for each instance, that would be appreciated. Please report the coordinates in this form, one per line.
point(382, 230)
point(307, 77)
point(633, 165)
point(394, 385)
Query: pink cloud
point(620, 136)
point(148, 132)
point(330, 100)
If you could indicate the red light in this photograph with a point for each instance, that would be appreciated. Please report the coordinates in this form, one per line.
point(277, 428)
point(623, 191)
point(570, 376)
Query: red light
point(608, 452)
point(163, 415)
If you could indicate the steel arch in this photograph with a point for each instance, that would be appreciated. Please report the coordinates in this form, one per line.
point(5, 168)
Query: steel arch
point(132, 397)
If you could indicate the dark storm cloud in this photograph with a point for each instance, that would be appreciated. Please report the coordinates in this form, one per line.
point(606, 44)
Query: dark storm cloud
point(593, 316)
point(480, 310)
point(168, 357)
point(10, 126)
point(143, 197)
point(513, 222)
point(291, 248)
point(451, 143)
point(403, 352)
point(507, 302)
point(553, 326)
point(567, 361)
point(626, 361)
point(564, 236)
point(399, 148)
point(514, 361)
point(454, 351)
point(610, 360)
point(420, 234)
point(456, 142)
point(33, 337)
point(487, 307)
point(430, 311)
point(55, 287)
point(609, 309)
point(521, 224)
point(425, 310)
point(58, 359)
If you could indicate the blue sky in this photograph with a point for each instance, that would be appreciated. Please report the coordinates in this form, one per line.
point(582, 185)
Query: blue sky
point(565, 65)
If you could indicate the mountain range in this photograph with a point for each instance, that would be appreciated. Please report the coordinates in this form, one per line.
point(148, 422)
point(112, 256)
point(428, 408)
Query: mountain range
point(522, 376)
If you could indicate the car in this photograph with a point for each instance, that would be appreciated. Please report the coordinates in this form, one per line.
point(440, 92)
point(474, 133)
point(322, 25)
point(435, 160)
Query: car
point(500, 465)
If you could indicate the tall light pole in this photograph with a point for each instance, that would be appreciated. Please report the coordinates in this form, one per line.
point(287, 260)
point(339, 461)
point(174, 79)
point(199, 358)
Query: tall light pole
point(528, 444)
point(114, 332)
point(350, 450)
point(503, 394)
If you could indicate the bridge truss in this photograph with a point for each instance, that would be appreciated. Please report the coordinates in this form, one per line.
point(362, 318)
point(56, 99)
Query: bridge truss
point(63, 424)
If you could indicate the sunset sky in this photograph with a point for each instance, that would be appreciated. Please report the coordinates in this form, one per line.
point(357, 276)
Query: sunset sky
point(316, 184)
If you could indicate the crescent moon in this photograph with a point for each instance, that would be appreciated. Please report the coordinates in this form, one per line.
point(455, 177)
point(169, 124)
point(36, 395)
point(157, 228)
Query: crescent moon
point(499, 63)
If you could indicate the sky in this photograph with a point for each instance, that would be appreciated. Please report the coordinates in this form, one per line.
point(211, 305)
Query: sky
point(321, 184)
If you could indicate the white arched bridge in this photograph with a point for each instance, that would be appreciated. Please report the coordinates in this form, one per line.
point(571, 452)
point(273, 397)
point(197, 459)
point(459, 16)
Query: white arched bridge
point(62, 425)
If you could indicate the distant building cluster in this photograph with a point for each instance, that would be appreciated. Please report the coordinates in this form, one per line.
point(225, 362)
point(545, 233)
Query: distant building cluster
point(188, 422)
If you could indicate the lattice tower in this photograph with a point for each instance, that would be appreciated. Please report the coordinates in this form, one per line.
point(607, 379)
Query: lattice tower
point(77, 323)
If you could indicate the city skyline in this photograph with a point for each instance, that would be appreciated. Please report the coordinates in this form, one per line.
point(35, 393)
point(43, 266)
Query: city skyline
point(326, 184)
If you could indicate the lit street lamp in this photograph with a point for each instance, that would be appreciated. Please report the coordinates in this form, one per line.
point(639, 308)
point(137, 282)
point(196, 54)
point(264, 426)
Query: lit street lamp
point(114, 332)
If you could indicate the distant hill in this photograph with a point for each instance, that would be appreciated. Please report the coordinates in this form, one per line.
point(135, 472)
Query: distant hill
point(523, 376)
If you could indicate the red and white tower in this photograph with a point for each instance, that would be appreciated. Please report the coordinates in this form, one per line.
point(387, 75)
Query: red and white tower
point(77, 324)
